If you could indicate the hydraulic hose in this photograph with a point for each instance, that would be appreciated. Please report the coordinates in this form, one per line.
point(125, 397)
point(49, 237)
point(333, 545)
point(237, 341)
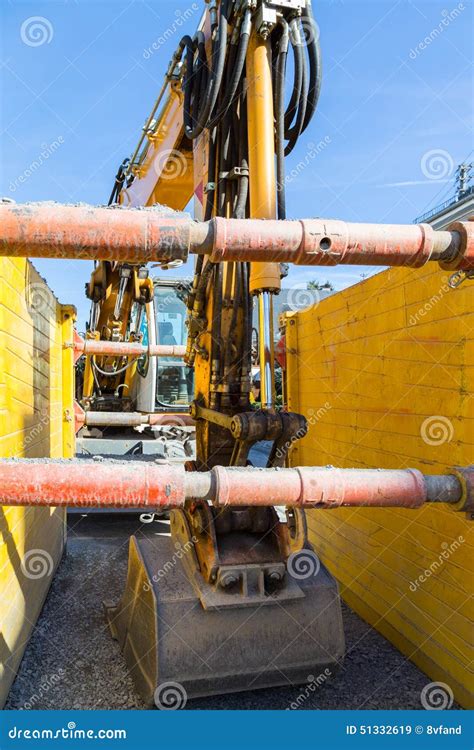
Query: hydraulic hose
point(315, 63)
point(237, 66)
point(279, 83)
point(206, 103)
point(297, 48)
point(293, 133)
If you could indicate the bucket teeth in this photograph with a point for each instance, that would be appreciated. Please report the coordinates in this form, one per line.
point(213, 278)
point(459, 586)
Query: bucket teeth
point(175, 648)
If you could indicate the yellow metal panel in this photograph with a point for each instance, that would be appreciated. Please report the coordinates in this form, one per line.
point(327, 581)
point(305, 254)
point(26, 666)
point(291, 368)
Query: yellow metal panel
point(34, 396)
point(384, 372)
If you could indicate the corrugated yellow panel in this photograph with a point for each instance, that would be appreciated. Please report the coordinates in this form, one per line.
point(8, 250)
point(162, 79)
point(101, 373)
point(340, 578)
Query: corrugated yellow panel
point(34, 395)
point(384, 372)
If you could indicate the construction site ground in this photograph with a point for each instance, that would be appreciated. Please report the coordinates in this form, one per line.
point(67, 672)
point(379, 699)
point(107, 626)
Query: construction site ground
point(72, 662)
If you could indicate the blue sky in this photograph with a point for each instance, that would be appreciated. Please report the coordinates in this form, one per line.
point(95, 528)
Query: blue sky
point(395, 114)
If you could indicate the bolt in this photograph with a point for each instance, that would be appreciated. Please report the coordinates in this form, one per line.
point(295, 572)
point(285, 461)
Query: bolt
point(227, 580)
point(275, 576)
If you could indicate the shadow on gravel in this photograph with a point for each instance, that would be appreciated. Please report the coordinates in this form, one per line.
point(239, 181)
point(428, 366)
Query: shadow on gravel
point(72, 662)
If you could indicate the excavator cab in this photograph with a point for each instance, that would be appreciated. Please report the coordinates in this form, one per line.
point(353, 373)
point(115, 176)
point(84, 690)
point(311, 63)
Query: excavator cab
point(174, 379)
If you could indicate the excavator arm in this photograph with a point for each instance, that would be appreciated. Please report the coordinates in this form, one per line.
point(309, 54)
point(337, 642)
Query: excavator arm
point(220, 132)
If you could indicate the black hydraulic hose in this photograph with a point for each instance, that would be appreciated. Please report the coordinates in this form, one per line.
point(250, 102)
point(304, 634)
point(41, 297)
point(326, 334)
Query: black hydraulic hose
point(237, 67)
point(292, 134)
point(315, 63)
point(187, 44)
point(279, 85)
point(208, 101)
point(298, 52)
point(119, 182)
point(216, 367)
point(211, 176)
point(201, 78)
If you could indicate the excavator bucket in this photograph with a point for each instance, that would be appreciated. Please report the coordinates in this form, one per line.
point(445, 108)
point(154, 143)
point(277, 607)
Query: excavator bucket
point(205, 642)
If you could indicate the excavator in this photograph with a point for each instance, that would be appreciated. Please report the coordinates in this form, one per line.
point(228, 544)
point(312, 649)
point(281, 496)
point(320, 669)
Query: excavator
point(219, 132)
point(235, 598)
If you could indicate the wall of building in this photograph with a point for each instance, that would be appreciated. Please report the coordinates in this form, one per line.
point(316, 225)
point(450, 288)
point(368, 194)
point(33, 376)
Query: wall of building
point(36, 419)
point(384, 372)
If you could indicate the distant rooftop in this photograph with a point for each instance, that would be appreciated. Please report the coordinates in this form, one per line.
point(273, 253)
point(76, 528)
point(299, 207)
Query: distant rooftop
point(464, 192)
point(441, 208)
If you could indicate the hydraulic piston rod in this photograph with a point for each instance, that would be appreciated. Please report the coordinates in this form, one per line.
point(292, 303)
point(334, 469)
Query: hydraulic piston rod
point(127, 235)
point(141, 484)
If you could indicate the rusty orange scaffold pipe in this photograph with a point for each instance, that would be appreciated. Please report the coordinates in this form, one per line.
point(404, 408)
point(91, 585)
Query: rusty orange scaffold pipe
point(140, 484)
point(140, 236)
point(95, 347)
point(133, 419)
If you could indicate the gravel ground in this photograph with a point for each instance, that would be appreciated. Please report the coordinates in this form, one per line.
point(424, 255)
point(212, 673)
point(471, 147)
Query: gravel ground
point(72, 662)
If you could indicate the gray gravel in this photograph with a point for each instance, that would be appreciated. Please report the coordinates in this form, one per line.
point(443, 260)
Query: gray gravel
point(72, 662)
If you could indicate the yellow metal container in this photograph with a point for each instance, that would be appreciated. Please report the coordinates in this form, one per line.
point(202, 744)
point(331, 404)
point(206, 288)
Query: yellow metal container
point(36, 419)
point(383, 371)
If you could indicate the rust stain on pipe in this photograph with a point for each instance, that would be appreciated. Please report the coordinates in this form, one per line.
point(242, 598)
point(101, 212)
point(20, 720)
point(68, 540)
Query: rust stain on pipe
point(126, 349)
point(91, 483)
point(135, 419)
point(320, 486)
point(89, 233)
point(128, 235)
point(132, 484)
